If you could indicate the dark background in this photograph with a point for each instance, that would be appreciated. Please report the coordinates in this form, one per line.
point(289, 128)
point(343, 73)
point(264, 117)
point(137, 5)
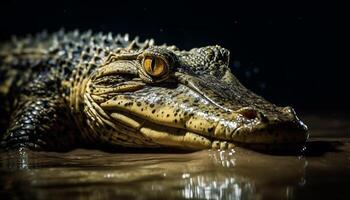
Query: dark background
point(292, 53)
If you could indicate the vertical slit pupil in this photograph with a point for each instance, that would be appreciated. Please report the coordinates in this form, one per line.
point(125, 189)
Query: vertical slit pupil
point(153, 64)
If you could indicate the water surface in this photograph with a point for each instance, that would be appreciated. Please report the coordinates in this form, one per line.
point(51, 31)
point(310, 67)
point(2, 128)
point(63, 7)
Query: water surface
point(322, 171)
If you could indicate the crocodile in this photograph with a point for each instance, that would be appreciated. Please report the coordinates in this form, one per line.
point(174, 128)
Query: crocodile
point(71, 89)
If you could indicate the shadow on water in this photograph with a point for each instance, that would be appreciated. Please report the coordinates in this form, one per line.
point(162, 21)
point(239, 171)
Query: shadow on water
point(320, 171)
point(310, 148)
point(207, 174)
point(320, 148)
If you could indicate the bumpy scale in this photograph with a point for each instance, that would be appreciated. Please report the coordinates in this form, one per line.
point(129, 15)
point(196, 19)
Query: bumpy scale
point(65, 90)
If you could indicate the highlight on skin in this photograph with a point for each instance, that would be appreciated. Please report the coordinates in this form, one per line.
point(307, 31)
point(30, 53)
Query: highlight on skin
point(120, 92)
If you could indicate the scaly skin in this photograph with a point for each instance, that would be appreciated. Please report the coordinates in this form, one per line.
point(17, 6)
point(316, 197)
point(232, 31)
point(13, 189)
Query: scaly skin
point(67, 90)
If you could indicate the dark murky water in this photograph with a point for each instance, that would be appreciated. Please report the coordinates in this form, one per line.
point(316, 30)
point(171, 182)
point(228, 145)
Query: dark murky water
point(323, 171)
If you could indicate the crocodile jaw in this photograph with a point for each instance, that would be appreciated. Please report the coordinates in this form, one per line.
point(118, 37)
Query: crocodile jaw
point(187, 110)
point(177, 116)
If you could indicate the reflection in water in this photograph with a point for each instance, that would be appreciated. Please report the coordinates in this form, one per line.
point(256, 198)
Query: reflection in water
point(207, 174)
point(323, 172)
point(202, 188)
point(248, 177)
point(19, 160)
point(215, 187)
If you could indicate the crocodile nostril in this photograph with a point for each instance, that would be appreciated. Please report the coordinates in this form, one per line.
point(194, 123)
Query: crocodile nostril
point(248, 112)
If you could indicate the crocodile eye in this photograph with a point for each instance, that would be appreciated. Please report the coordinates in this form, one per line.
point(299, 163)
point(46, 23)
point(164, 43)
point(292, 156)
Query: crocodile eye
point(155, 66)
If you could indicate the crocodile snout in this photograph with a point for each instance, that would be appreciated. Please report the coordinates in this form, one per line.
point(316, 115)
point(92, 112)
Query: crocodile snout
point(262, 127)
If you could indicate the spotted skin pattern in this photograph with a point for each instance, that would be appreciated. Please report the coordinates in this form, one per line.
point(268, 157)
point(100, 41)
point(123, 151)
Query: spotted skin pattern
point(68, 89)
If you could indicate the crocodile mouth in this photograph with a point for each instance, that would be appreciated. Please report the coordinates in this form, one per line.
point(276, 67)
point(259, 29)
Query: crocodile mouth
point(248, 135)
point(188, 112)
point(169, 118)
point(143, 132)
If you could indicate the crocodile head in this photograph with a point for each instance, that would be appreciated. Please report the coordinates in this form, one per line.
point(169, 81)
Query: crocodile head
point(159, 96)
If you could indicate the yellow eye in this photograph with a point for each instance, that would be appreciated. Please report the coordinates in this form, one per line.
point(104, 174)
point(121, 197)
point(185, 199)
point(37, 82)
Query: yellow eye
point(155, 66)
